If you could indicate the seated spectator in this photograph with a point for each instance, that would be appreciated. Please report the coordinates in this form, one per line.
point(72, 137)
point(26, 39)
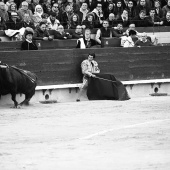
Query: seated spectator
point(12, 8)
point(143, 41)
point(89, 22)
point(61, 34)
point(124, 19)
point(52, 22)
point(37, 17)
point(166, 8)
point(109, 10)
point(105, 31)
point(8, 3)
point(55, 9)
point(86, 41)
point(74, 21)
point(73, 5)
point(27, 22)
point(83, 11)
point(142, 6)
point(28, 44)
point(14, 23)
point(118, 9)
point(78, 33)
point(140, 20)
point(41, 33)
point(158, 9)
point(118, 31)
point(112, 20)
point(166, 20)
point(153, 20)
point(3, 12)
point(2, 24)
point(24, 10)
point(130, 9)
point(34, 4)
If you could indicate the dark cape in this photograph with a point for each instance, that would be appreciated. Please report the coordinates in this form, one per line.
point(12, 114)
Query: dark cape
point(108, 89)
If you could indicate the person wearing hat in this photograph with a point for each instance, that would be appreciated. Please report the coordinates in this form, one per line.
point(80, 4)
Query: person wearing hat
point(88, 67)
point(14, 23)
point(29, 44)
point(52, 22)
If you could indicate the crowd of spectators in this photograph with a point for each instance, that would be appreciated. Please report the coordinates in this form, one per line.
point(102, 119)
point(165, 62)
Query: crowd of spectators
point(58, 15)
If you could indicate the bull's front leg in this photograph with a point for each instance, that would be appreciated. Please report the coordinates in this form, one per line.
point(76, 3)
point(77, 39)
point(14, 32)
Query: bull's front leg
point(14, 100)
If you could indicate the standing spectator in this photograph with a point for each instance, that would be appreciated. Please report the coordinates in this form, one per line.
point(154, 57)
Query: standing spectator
point(37, 17)
point(29, 44)
point(140, 20)
point(86, 41)
point(166, 8)
point(61, 34)
point(3, 12)
point(118, 9)
point(52, 22)
point(142, 6)
point(166, 20)
point(24, 10)
point(153, 20)
point(41, 33)
point(130, 9)
point(112, 20)
point(158, 9)
point(74, 21)
point(78, 32)
point(105, 31)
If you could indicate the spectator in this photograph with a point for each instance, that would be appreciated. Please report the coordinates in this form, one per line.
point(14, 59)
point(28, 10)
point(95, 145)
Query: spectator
point(89, 22)
point(130, 9)
point(29, 4)
point(27, 22)
point(158, 9)
point(118, 31)
point(8, 3)
point(34, 4)
point(124, 19)
point(140, 20)
point(112, 20)
point(105, 31)
point(74, 21)
point(41, 33)
point(153, 20)
point(29, 44)
point(98, 15)
point(45, 5)
point(78, 33)
point(37, 17)
point(3, 12)
point(109, 10)
point(86, 41)
point(55, 9)
point(166, 8)
point(118, 9)
point(61, 34)
point(83, 12)
point(75, 8)
point(2, 24)
point(24, 10)
point(12, 8)
point(143, 41)
point(14, 23)
point(166, 20)
point(52, 22)
point(142, 6)
point(125, 3)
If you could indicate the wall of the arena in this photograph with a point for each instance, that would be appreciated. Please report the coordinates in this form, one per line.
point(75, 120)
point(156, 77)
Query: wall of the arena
point(55, 67)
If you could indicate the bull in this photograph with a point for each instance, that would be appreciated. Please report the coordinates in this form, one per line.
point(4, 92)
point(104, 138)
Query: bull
point(17, 81)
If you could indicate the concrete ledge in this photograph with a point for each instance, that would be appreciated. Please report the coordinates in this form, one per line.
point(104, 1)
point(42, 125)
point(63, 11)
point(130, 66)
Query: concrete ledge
point(64, 86)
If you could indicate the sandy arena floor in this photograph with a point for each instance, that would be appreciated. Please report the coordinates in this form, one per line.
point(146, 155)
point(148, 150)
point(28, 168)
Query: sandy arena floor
point(89, 135)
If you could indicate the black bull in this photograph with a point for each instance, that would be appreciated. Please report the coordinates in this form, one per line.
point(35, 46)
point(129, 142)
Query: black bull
point(16, 81)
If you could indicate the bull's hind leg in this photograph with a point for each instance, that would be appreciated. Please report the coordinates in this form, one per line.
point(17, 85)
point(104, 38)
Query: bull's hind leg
point(27, 98)
point(14, 100)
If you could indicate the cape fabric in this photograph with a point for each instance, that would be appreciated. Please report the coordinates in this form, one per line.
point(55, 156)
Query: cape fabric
point(108, 89)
